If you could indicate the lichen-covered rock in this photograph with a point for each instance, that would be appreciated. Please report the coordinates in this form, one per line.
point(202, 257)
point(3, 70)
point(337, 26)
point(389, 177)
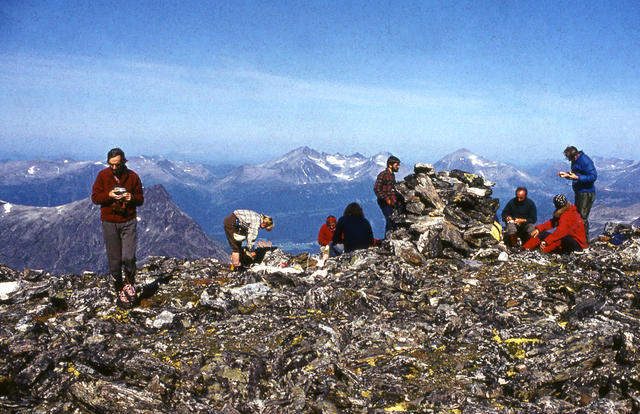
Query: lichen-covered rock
point(428, 321)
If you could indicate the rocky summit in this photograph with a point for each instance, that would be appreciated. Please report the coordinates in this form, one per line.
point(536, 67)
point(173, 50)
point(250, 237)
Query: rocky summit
point(437, 318)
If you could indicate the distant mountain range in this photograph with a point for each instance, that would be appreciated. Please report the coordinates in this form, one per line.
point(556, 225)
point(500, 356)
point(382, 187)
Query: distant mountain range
point(613, 174)
point(302, 187)
point(304, 166)
point(617, 187)
point(68, 238)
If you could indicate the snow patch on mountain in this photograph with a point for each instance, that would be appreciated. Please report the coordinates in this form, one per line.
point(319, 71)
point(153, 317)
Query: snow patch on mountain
point(504, 175)
point(481, 162)
point(307, 166)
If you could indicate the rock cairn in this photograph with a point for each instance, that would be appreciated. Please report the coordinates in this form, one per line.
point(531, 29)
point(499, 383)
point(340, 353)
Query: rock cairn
point(370, 332)
point(446, 214)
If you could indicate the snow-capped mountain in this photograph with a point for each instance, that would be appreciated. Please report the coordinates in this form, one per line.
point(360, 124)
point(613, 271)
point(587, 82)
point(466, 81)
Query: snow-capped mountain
point(157, 170)
point(617, 174)
point(20, 172)
point(68, 238)
point(306, 166)
point(503, 175)
point(47, 182)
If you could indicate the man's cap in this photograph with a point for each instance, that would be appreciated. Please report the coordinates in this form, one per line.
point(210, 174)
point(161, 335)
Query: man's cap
point(560, 200)
point(331, 219)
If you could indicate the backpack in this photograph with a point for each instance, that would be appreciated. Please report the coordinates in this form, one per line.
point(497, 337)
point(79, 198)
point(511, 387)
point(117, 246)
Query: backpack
point(617, 239)
point(496, 231)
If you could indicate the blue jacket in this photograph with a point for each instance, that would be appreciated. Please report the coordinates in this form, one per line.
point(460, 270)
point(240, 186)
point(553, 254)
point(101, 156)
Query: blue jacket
point(585, 170)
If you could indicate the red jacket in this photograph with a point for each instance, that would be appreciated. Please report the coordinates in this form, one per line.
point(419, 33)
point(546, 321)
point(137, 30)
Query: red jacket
point(105, 182)
point(324, 235)
point(567, 223)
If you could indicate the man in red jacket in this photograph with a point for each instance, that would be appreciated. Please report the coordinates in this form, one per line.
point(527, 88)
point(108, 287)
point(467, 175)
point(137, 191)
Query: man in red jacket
point(568, 235)
point(118, 191)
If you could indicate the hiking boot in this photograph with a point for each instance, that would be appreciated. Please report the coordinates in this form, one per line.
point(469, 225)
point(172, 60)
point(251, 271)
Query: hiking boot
point(129, 292)
point(123, 301)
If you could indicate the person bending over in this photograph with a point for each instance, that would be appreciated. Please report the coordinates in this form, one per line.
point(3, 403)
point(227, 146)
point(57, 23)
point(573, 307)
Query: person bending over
point(244, 225)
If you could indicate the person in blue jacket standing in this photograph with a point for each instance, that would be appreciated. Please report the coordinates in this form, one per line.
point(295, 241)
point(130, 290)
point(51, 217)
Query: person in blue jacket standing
point(583, 174)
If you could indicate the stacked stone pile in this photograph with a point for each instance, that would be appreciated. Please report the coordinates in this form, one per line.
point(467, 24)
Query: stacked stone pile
point(445, 214)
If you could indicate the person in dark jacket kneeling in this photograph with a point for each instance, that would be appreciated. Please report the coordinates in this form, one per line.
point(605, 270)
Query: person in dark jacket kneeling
point(568, 235)
point(353, 229)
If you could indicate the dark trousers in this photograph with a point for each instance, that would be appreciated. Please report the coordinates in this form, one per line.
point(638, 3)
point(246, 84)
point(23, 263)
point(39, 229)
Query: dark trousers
point(335, 249)
point(120, 240)
point(567, 244)
point(387, 210)
point(584, 201)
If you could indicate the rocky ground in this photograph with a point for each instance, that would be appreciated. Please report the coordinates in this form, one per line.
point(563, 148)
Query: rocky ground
point(436, 323)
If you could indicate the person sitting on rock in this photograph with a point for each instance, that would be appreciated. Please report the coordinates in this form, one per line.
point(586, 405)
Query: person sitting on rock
point(325, 239)
point(241, 225)
point(520, 216)
point(353, 229)
point(568, 235)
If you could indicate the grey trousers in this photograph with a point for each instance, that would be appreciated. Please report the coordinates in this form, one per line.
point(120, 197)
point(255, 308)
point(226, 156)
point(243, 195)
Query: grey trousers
point(513, 228)
point(120, 240)
point(584, 201)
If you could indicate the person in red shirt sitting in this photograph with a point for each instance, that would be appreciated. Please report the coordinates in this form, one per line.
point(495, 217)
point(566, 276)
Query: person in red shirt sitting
point(325, 235)
point(568, 235)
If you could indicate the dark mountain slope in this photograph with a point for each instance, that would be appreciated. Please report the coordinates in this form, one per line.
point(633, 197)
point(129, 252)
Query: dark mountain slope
point(68, 238)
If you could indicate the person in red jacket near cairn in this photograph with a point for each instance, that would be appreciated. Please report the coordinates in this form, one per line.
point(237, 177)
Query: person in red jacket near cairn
point(568, 235)
point(118, 191)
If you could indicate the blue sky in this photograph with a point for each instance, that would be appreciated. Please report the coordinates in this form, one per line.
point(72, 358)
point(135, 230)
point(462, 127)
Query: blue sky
point(246, 81)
